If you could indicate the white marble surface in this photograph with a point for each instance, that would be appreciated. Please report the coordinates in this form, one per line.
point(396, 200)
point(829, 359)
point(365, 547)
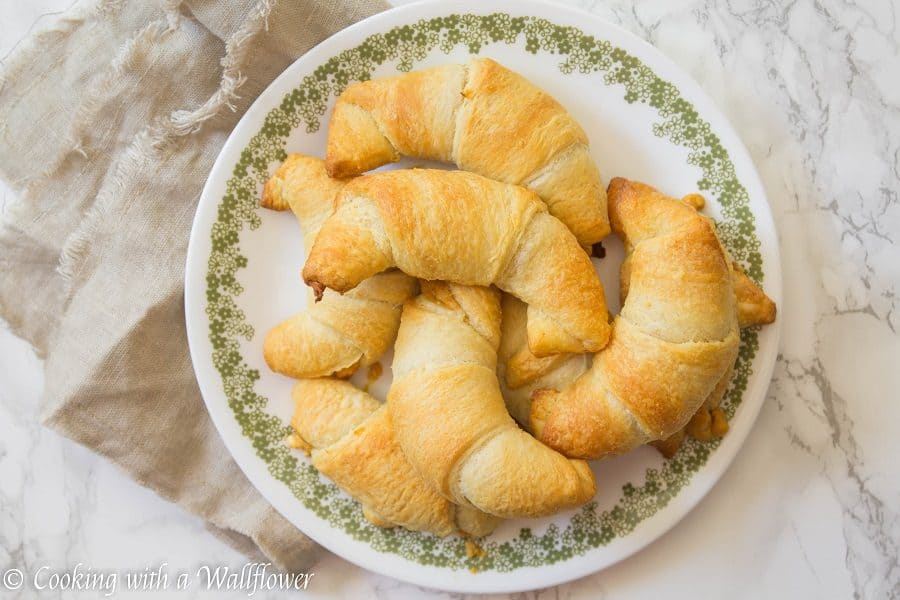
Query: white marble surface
point(810, 507)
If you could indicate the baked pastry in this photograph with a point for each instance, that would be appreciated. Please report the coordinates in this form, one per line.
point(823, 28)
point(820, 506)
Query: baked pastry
point(351, 440)
point(753, 306)
point(672, 345)
point(521, 373)
point(486, 119)
point(450, 419)
point(460, 227)
point(340, 333)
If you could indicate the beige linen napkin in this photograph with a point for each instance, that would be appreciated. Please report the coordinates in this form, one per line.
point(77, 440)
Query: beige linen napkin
point(110, 121)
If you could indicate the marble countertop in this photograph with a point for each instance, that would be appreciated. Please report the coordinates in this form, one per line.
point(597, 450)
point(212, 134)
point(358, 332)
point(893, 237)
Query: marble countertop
point(811, 506)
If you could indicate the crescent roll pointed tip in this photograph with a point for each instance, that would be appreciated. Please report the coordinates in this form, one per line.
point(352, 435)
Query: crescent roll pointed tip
point(754, 306)
point(355, 143)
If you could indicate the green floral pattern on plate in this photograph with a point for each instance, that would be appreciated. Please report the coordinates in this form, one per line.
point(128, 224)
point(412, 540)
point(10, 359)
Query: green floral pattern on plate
point(305, 106)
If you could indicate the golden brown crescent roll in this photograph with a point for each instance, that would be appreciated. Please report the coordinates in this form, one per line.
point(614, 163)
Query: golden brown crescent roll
point(672, 345)
point(450, 419)
point(340, 333)
point(522, 372)
point(486, 119)
point(351, 441)
point(460, 227)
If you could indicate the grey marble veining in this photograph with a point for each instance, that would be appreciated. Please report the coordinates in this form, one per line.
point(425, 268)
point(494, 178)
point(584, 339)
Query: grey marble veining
point(811, 506)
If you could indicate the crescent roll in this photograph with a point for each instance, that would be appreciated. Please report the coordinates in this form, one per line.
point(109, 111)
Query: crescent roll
point(522, 372)
point(351, 440)
point(461, 227)
point(486, 119)
point(673, 344)
point(450, 419)
point(340, 333)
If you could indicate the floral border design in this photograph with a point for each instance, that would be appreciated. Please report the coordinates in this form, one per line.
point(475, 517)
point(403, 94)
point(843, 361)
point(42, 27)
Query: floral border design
point(677, 122)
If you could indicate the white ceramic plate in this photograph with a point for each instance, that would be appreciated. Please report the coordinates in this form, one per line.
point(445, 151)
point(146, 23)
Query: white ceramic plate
point(646, 120)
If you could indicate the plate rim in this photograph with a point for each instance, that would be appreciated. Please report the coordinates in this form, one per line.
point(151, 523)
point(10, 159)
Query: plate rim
point(521, 579)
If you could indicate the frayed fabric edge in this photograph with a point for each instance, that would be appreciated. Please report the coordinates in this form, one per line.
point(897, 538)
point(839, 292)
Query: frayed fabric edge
point(77, 243)
point(184, 122)
point(154, 138)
